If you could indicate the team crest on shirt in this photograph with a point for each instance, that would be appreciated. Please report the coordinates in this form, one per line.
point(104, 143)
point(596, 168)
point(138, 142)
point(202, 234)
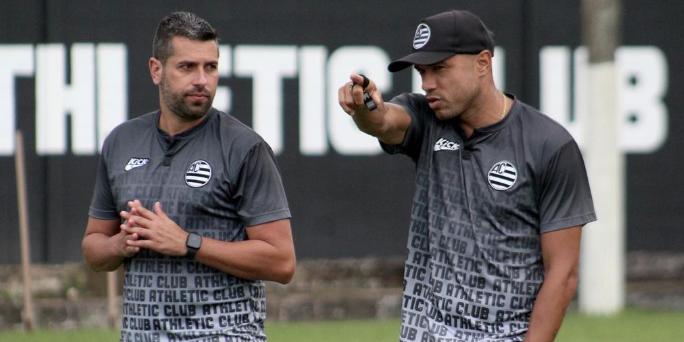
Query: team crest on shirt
point(198, 174)
point(502, 175)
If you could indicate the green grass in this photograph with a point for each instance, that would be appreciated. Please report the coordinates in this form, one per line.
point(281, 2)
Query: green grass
point(630, 326)
point(334, 331)
point(60, 336)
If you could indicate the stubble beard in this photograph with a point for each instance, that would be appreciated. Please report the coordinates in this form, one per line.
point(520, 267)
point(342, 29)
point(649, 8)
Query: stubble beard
point(176, 102)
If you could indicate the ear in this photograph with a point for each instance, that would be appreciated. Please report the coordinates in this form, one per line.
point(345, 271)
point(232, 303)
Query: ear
point(483, 62)
point(156, 67)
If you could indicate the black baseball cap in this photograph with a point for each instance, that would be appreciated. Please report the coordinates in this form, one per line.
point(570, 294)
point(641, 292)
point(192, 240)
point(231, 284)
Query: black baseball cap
point(443, 35)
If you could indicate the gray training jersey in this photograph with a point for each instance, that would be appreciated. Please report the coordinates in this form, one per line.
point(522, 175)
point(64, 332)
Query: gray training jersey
point(474, 262)
point(214, 179)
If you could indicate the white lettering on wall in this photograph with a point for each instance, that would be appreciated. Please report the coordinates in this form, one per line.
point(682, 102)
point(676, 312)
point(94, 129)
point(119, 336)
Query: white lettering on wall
point(223, 99)
point(94, 96)
point(112, 92)
point(313, 138)
point(554, 86)
point(371, 61)
point(267, 66)
point(642, 84)
point(15, 61)
point(55, 99)
point(499, 67)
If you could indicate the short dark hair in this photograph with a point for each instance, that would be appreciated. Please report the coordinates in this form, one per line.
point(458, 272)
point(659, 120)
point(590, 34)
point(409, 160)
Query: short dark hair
point(180, 24)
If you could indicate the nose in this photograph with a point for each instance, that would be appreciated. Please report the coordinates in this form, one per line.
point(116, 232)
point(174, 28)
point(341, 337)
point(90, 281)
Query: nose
point(201, 78)
point(428, 81)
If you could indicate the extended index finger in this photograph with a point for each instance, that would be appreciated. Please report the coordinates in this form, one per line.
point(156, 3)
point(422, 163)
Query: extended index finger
point(344, 98)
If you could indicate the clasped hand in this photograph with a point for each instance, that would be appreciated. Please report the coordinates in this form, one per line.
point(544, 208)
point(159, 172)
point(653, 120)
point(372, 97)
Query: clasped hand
point(152, 229)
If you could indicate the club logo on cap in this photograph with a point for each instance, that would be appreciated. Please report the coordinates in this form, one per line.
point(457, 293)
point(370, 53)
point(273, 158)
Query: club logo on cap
point(422, 36)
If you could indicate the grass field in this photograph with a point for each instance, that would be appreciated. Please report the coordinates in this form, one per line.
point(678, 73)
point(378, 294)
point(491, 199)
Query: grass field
point(630, 326)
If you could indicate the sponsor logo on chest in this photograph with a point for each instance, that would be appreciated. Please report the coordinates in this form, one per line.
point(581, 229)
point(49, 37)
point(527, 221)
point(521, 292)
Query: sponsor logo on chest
point(446, 145)
point(135, 162)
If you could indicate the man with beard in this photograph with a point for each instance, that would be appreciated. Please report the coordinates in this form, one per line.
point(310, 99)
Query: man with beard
point(501, 193)
point(191, 202)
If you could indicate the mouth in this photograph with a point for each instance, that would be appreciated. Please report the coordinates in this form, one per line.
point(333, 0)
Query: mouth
point(433, 101)
point(197, 96)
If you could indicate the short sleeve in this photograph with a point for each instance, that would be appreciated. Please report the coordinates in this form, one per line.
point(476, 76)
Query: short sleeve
point(565, 199)
point(102, 204)
point(259, 189)
point(413, 138)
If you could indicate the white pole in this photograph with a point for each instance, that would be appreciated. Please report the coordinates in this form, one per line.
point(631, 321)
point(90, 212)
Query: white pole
point(602, 268)
point(19, 166)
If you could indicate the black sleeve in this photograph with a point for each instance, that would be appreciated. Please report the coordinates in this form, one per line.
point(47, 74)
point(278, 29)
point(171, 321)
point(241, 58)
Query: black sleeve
point(565, 198)
point(102, 205)
point(416, 106)
point(259, 189)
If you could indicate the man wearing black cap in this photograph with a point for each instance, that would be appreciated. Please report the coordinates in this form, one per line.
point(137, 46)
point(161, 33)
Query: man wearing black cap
point(501, 193)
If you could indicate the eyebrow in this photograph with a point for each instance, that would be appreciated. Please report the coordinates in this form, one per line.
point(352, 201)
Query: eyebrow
point(189, 61)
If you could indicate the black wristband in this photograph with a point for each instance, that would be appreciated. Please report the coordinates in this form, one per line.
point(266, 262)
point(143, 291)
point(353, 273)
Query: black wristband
point(193, 244)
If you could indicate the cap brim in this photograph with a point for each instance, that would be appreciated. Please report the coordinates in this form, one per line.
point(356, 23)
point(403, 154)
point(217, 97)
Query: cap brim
point(420, 57)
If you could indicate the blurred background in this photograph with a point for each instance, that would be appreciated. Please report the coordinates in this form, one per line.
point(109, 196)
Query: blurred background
point(72, 70)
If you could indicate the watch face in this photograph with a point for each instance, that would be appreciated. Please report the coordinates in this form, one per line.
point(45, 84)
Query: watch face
point(194, 240)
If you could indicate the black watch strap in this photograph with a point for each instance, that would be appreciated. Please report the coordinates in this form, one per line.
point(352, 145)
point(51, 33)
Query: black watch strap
point(193, 244)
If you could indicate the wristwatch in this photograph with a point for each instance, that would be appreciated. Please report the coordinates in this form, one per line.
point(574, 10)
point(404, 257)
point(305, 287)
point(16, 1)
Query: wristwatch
point(193, 243)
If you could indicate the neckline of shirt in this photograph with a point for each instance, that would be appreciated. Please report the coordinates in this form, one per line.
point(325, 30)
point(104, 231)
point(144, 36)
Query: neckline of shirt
point(480, 134)
point(171, 144)
point(187, 133)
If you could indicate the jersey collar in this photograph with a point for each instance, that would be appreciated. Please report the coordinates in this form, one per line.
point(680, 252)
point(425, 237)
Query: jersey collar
point(171, 144)
point(482, 133)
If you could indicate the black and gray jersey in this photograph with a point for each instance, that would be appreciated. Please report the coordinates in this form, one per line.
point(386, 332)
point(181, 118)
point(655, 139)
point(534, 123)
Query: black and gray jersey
point(481, 203)
point(215, 180)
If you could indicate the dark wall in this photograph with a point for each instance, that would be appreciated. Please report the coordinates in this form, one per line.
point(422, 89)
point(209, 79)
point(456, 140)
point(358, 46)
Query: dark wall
point(344, 205)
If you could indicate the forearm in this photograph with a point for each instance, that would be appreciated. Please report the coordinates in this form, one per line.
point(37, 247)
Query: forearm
point(99, 253)
point(549, 309)
point(249, 259)
point(371, 122)
point(389, 125)
point(267, 254)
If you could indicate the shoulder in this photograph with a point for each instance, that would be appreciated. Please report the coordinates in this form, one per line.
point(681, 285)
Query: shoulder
point(412, 102)
point(541, 130)
point(238, 142)
point(128, 130)
point(235, 133)
point(136, 125)
point(416, 105)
